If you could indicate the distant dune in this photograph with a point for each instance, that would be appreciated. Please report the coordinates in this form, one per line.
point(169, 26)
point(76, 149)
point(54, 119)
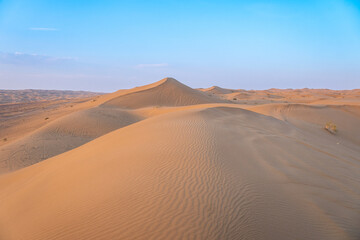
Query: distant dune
point(165, 161)
point(309, 96)
point(167, 92)
point(218, 90)
point(32, 95)
point(109, 113)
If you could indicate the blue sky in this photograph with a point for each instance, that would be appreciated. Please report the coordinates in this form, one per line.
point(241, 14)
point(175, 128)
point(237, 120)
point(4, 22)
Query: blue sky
point(108, 45)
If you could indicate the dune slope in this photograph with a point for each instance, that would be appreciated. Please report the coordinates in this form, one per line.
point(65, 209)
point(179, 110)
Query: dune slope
point(205, 173)
point(311, 118)
point(218, 90)
point(62, 135)
point(91, 119)
point(166, 92)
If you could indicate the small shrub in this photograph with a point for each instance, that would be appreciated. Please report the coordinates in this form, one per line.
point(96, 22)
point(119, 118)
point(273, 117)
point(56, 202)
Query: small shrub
point(331, 127)
point(234, 98)
point(4, 139)
point(46, 118)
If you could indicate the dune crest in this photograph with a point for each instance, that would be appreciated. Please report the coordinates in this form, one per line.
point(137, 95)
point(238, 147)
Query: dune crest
point(218, 90)
point(94, 118)
point(224, 182)
point(146, 163)
point(166, 92)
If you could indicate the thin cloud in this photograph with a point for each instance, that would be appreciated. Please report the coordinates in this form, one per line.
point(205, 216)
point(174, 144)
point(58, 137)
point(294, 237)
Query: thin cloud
point(43, 29)
point(19, 58)
point(152, 65)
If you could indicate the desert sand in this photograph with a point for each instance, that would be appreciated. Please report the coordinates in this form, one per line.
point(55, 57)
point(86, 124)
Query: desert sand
point(165, 161)
point(32, 95)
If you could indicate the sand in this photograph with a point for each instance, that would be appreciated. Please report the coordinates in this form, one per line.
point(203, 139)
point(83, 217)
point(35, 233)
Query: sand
point(306, 95)
point(32, 95)
point(195, 167)
point(166, 92)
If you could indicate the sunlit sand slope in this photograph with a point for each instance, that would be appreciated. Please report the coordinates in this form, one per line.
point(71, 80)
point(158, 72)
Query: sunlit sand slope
point(62, 135)
point(311, 118)
point(166, 92)
point(90, 120)
point(200, 173)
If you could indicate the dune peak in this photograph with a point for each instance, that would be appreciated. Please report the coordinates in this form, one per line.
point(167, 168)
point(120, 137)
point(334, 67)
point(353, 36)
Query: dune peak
point(166, 92)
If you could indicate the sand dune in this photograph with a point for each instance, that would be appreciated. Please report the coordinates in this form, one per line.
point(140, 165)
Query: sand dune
point(95, 117)
point(311, 118)
point(305, 95)
point(63, 135)
point(31, 95)
point(146, 163)
point(218, 90)
point(167, 92)
point(207, 173)
point(20, 119)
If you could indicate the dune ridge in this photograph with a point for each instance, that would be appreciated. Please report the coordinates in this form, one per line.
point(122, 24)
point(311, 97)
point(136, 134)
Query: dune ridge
point(63, 135)
point(130, 165)
point(101, 114)
point(223, 183)
point(166, 92)
point(274, 95)
point(218, 90)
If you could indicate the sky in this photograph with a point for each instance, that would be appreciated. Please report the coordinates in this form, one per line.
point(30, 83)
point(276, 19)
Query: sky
point(108, 45)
